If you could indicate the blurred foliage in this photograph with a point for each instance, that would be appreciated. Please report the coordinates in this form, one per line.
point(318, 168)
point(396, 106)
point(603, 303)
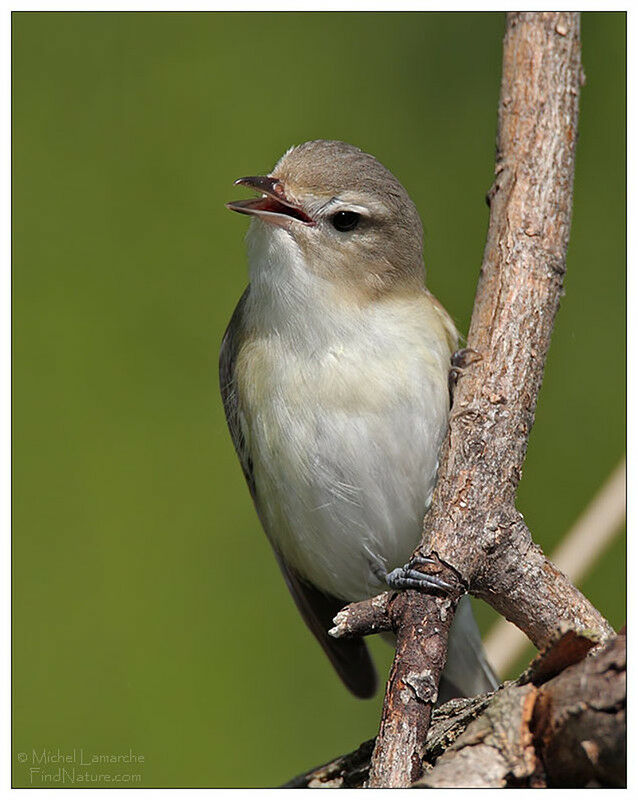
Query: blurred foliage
point(148, 610)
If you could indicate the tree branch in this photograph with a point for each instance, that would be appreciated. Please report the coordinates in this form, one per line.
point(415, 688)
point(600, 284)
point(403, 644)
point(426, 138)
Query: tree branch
point(562, 724)
point(473, 526)
point(576, 554)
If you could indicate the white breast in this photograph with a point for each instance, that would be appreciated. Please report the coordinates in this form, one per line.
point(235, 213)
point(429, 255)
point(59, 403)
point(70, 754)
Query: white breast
point(343, 409)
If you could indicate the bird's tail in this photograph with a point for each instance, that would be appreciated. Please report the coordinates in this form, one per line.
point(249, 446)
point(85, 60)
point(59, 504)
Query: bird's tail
point(467, 671)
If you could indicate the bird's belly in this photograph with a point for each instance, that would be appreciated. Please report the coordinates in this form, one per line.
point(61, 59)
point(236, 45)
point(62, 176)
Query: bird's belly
point(344, 468)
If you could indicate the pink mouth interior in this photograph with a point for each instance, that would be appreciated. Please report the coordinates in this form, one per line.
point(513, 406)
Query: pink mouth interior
point(272, 206)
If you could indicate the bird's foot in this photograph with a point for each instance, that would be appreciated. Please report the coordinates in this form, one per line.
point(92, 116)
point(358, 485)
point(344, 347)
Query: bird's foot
point(410, 577)
point(460, 361)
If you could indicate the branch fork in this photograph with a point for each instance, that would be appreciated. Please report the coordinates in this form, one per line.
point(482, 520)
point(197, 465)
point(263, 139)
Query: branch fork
point(384, 612)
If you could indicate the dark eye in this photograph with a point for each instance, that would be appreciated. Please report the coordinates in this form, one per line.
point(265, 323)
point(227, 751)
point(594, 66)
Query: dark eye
point(345, 220)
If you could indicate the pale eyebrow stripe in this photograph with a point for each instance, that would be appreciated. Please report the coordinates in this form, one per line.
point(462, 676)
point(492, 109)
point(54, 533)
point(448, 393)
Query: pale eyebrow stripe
point(345, 206)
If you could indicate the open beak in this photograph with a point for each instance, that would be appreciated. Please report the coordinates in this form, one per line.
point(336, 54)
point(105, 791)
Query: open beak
point(272, 206)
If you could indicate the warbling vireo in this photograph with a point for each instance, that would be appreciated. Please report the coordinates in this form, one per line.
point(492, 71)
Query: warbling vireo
point(334, 376)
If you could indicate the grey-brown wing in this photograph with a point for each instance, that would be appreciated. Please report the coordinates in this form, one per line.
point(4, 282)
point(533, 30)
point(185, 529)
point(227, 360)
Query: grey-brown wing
point(349, 657)
point(228, 389)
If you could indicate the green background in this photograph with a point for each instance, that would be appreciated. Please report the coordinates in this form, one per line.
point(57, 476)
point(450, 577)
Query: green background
point(148, 610)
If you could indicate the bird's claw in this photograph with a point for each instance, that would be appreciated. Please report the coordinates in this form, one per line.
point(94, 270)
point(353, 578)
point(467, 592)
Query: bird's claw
point(460, 360)
point(409, 577)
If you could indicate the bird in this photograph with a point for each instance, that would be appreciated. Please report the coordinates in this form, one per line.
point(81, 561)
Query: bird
point(334, 376)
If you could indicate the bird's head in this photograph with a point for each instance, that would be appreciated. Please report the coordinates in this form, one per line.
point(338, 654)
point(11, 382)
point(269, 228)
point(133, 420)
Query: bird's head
point(349, 217)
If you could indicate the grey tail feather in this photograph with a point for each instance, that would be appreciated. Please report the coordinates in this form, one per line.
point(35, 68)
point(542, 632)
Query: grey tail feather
point(467, 671)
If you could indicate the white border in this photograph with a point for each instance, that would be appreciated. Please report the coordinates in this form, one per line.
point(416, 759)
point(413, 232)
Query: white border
point(5, 305)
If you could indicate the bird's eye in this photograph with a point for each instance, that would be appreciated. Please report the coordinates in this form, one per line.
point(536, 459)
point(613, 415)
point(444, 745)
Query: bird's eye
point(345, 220)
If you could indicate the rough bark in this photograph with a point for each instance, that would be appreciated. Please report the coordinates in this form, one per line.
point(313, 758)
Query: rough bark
point(351, 771)
point(562, 724)
point(473, 527)
point(579, 722)
point(570, 732)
